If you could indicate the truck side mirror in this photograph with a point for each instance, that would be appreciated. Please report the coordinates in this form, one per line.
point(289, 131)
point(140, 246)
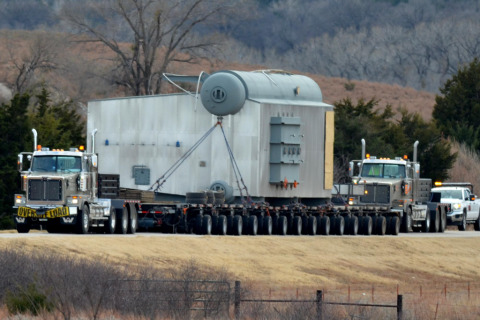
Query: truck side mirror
point(351, 168)
point(20, 162)
point(472, 197)
point(416, 171)
point(94, 161)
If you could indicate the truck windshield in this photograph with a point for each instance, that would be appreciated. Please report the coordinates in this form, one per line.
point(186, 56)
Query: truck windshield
point(451, 194)
point(57, 163)
point(383, 170)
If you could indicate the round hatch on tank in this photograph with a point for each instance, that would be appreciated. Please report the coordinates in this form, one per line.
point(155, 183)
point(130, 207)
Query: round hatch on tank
point(223, 93)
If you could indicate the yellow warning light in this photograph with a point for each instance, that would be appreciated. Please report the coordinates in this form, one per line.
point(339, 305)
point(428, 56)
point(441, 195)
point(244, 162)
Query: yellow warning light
point(367, 155)
point(438, 183)
point(81, 148)
point(405, 157)
point(39, 148)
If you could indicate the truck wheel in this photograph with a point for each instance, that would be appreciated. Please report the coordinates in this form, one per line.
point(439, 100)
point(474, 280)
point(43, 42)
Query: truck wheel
point(111, 223)
point(267, 226)
point(23, 227)
point(297, 226)
point(237, 225)
point(476, 225)
point(252, 225)
point(132, 220)
point(352, 224)
point(407, 221)
point(83, 221)
point(312, 225)
point(122, 221)
point(394, 226)
point(282, 226)
point(207, 225)
point(463, 226)
point(222, 225)
point(434, 221)
point(443, 219)
point(324, 225)
point(339, 226)
point(426, 223)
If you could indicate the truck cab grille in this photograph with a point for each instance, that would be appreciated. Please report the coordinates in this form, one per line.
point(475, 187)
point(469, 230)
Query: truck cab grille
point(376, 194)
point(45, 190)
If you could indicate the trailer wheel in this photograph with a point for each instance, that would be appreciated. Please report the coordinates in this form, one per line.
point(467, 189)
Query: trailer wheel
point(230, 224)
point(267, 226)
point(222, 225)
point(207, 225)
point(23, 227)
point(366, 225)
point(122, 221)
point(297, 226)
point(282, 226)
point(312, 225)
point(434, 221)
point(111, 222)
point(380, 225)
point(351, 225)
point(132, 220)
point(83, 222)
point(463, 226)
point(237, 225)
point(252, 225)
point(338, 225)
point(324, 226)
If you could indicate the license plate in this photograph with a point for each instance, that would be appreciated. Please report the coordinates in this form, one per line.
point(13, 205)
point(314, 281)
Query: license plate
point(53, 213)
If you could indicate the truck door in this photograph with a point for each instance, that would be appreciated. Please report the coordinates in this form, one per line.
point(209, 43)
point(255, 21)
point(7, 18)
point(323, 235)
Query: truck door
point(472, 207)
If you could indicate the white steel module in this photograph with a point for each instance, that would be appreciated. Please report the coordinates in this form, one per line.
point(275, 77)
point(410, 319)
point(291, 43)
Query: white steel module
point(279, 129)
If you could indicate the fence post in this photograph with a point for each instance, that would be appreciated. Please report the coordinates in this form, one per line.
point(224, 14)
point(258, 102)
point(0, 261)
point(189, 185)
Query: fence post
point(399, 307)
point(319, 305)
point(237, 300)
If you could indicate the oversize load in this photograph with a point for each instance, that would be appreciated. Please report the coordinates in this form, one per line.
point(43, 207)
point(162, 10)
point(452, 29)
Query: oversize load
point(26, 212)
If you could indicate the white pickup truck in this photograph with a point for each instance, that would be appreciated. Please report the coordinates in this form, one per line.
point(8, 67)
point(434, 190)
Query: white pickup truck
point(465, 209)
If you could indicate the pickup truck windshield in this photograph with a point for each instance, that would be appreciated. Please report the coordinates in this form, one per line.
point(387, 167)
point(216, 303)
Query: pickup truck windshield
point(383, 170)
point(57, 164)
point(451, 194)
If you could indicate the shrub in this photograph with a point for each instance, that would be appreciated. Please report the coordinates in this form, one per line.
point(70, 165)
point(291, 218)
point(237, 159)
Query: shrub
point(27, 300)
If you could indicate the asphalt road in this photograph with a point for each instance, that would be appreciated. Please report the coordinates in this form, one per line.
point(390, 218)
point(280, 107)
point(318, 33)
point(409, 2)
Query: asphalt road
point(446, 234)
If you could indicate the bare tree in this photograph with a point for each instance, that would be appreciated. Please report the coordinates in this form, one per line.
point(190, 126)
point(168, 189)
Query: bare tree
point(159, 32)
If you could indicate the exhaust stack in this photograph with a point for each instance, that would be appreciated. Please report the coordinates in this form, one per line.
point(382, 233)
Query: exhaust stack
point(415, 145)
point(363, 149)
point(34, 140)
point(94, 132)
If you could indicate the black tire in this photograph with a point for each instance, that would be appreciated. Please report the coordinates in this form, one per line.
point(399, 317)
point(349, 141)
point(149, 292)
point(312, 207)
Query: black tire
point(352, 226)
point(312, 225)
point(282, 228)
point(252, 225)
point(394, 224)
point(426, 223)
point(339, 226)
point(380, 225)
point(237, 225)
point(297, 226)
point(267, 226)
point(23, 227)
point(111, 223)
point(132, 220)
point(347, 224)
point(222, 225)
point(214, 224)
point(122, 221)
point(260, 220)
point(324, 225)
point(443, 219)
point(207, 225)
point(406, 226)
point(366, 223)
point(434, 221)
point(463, 225)
point(197, 224)
point(83, 221)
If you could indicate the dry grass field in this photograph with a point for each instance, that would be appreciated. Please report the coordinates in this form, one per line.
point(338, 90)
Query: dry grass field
point(288, 262)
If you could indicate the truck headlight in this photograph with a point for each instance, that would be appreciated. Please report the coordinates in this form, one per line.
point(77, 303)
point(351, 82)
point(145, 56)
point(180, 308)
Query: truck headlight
point(73, 200)
point(19, 199)
point(457, 206)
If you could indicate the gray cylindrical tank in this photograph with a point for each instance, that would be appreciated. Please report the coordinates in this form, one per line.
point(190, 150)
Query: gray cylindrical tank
point(223, 94)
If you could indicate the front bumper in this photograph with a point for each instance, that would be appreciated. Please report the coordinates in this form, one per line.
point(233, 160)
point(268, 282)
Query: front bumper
point(455, 218)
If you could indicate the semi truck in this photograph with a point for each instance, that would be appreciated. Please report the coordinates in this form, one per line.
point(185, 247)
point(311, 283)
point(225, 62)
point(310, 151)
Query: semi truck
point(247, 153)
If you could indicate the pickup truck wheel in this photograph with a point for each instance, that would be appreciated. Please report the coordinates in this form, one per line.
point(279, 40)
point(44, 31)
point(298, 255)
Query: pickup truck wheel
point(111, 223)
point(282, 226)
point(23, 227)
point(435, 220)
point(324, 225)
point(267, 226)
point(122, 221)
point(83, 222)
point(132, 220)
point(426, 223)
point(476, 225)
point(463, 225)
point(443, 219)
